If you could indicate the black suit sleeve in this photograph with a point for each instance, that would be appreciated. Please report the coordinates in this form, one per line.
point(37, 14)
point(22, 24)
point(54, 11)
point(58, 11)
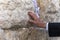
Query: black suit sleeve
point(54, 29)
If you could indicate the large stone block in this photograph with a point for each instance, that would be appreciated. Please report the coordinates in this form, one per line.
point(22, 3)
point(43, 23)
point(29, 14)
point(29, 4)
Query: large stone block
point(20, 34)
point(50, 12)
point(14, 12)
point(23, 34)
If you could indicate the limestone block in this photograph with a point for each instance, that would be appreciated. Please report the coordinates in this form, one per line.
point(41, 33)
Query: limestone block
point(2, 34)
point(23, 34)
point(14, 12)
point(50, 12)
point(20, 34)
point(38, 35)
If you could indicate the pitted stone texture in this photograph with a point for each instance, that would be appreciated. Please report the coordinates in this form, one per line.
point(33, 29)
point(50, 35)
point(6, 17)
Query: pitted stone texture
point(2, 34)
point(49, 10)
point(14, 12)
point(38, 35)
point(23, 34)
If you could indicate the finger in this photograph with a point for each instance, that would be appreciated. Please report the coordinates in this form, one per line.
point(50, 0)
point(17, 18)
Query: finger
point(32, 21)
point(41, 20)
point(32, 15)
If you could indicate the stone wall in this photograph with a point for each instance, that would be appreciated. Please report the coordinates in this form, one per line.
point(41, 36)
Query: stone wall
point(50, 12)
point(14, 16)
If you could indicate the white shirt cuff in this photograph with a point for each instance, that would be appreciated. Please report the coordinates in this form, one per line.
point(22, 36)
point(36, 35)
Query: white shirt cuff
point(47, 26)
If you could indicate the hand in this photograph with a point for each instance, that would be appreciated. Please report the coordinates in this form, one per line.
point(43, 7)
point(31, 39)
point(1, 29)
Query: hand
point(35, 20)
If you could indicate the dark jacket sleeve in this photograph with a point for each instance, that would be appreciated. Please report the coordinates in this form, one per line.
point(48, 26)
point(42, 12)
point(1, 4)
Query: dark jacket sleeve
point(54, 29)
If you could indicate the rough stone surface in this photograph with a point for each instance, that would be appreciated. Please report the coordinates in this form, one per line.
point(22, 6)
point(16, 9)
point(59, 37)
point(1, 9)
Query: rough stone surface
point(14, 14)
point(23, 34)
point(50, 12)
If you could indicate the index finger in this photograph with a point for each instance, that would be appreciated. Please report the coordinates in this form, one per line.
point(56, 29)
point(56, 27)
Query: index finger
point(34, 16)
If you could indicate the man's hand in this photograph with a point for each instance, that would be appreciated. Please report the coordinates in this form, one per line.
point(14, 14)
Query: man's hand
point(35, 20)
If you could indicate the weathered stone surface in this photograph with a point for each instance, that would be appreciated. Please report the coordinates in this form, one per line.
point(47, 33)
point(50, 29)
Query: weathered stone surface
point(50, 12)
point(14, 12)
point(23, 34)
point(20, 34)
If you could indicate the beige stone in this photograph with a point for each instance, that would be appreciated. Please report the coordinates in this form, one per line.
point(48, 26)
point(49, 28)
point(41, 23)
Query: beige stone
point(14, 12)
point(51, 12)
